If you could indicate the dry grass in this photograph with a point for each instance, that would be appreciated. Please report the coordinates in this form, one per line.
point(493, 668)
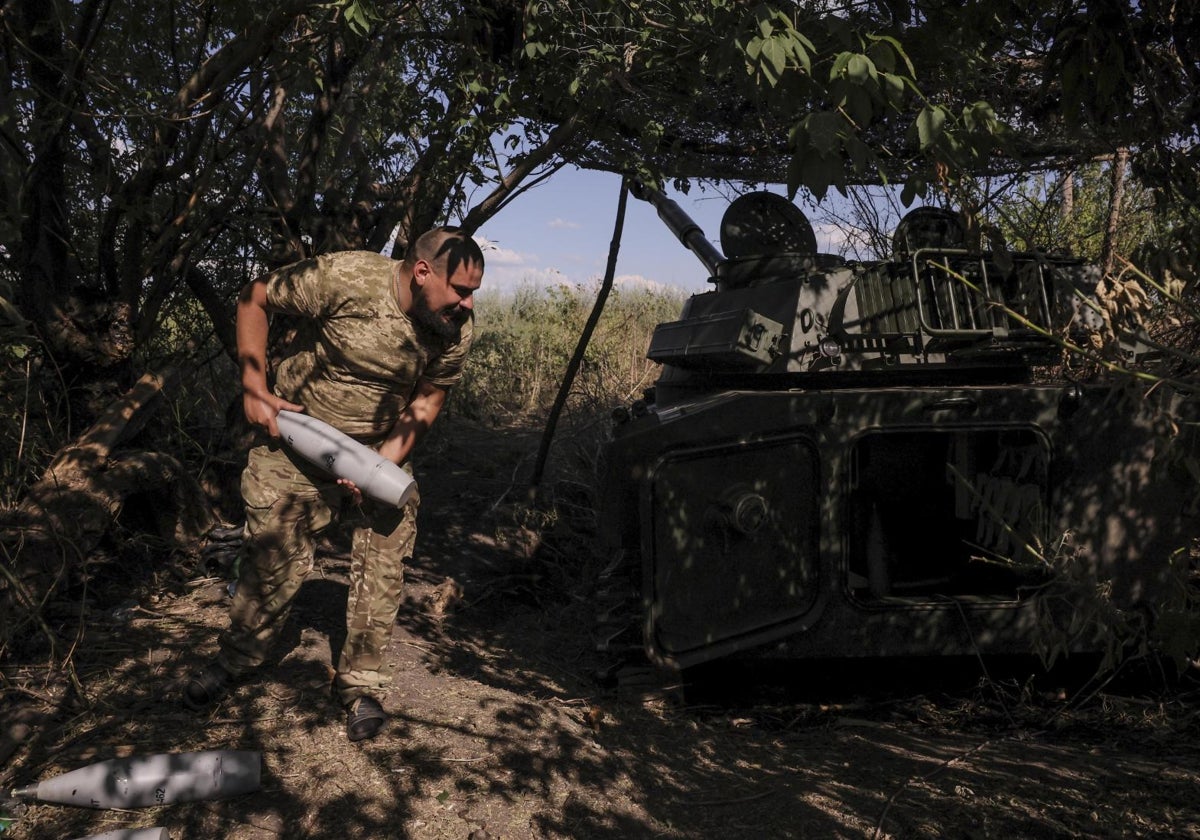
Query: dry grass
point(498, 729)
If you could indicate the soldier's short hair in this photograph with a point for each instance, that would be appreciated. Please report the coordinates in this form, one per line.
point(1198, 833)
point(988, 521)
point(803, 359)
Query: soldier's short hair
point(446, 248)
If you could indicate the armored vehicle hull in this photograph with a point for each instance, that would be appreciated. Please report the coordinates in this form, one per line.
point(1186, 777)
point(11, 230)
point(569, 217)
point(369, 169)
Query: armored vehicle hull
point(883, 521)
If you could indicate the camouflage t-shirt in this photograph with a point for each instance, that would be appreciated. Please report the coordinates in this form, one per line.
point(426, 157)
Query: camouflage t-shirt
point(365, 356)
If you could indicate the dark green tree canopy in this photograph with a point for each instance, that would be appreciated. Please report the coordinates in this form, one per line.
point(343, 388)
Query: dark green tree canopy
point(158, 151)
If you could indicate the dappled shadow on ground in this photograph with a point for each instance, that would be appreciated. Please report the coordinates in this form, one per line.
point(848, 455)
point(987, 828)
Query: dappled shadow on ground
point(499, 730)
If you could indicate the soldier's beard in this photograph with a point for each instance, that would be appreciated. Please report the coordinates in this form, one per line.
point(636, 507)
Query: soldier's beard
point(444, 323)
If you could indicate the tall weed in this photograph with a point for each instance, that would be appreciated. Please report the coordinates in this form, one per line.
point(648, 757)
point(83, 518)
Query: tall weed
point(524, 340)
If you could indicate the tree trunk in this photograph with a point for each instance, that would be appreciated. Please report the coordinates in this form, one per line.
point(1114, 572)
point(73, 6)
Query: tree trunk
point(585, 336)
point(1114, 209)
point(77, 500)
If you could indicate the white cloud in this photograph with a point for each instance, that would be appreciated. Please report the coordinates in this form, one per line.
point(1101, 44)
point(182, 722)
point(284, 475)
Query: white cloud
point(508, 270)
point(493, 254)
point(506, 278)
point(563, 224)
point(638, 281)
point(831, 238)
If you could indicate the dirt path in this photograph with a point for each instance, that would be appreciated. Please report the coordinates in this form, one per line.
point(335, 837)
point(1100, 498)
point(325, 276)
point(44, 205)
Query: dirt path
point(499, 731)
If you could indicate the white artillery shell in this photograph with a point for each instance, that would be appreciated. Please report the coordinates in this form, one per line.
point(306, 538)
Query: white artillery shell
point(341, 455)
point(161, 779)
point(156, 833)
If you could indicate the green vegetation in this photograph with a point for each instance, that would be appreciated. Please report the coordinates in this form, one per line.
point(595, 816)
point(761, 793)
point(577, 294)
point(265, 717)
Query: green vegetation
point(525, 339)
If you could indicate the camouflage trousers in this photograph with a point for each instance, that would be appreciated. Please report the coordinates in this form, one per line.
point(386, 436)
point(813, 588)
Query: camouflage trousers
point(288, 504)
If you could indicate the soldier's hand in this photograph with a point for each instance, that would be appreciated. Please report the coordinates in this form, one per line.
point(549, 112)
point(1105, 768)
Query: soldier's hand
point(262, 409)
point(356, 495)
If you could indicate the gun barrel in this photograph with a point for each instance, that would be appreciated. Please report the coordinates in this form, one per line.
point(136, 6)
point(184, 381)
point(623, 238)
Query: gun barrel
point(682, 225)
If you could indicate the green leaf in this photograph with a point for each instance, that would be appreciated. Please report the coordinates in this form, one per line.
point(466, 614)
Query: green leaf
point(816, 174)
point(775, 53)
point(893, 89)
point(839, 65)
point(913, 188)
point(540, 48)
point(795, 173)
point(360, 15)
point(824, 129)
point(858, 106)
point(860, 69)
point(883, 56)
point(930, 125)
point(859, 154)
point(800, 52)
point(899, 50)
point(979, 117)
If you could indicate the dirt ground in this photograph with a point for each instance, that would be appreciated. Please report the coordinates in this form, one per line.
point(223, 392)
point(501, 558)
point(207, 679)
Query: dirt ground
point(500, 728)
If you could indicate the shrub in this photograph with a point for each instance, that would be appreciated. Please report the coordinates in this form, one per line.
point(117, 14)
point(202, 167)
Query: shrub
point(524, 340)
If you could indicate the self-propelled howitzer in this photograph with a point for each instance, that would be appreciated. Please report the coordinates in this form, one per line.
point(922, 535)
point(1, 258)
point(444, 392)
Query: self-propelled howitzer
point(851, 459)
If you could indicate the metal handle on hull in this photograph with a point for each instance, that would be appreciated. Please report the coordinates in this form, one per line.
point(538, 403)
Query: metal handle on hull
point(961, 405)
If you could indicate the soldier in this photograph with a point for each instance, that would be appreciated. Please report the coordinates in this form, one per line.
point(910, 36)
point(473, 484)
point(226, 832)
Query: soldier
point(387, 341)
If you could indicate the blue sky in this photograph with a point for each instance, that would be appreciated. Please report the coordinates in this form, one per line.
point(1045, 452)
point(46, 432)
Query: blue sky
point(560, 232)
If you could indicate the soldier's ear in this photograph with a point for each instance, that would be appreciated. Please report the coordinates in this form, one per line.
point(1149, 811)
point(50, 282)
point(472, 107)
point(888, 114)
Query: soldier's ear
point(421, 272)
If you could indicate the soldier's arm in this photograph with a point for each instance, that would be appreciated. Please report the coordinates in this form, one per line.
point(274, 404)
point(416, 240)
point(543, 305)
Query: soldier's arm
point(414, 421)
point(261, 406)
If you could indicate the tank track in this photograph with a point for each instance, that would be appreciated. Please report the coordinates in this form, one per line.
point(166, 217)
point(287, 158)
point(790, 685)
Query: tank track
point(617, 633)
